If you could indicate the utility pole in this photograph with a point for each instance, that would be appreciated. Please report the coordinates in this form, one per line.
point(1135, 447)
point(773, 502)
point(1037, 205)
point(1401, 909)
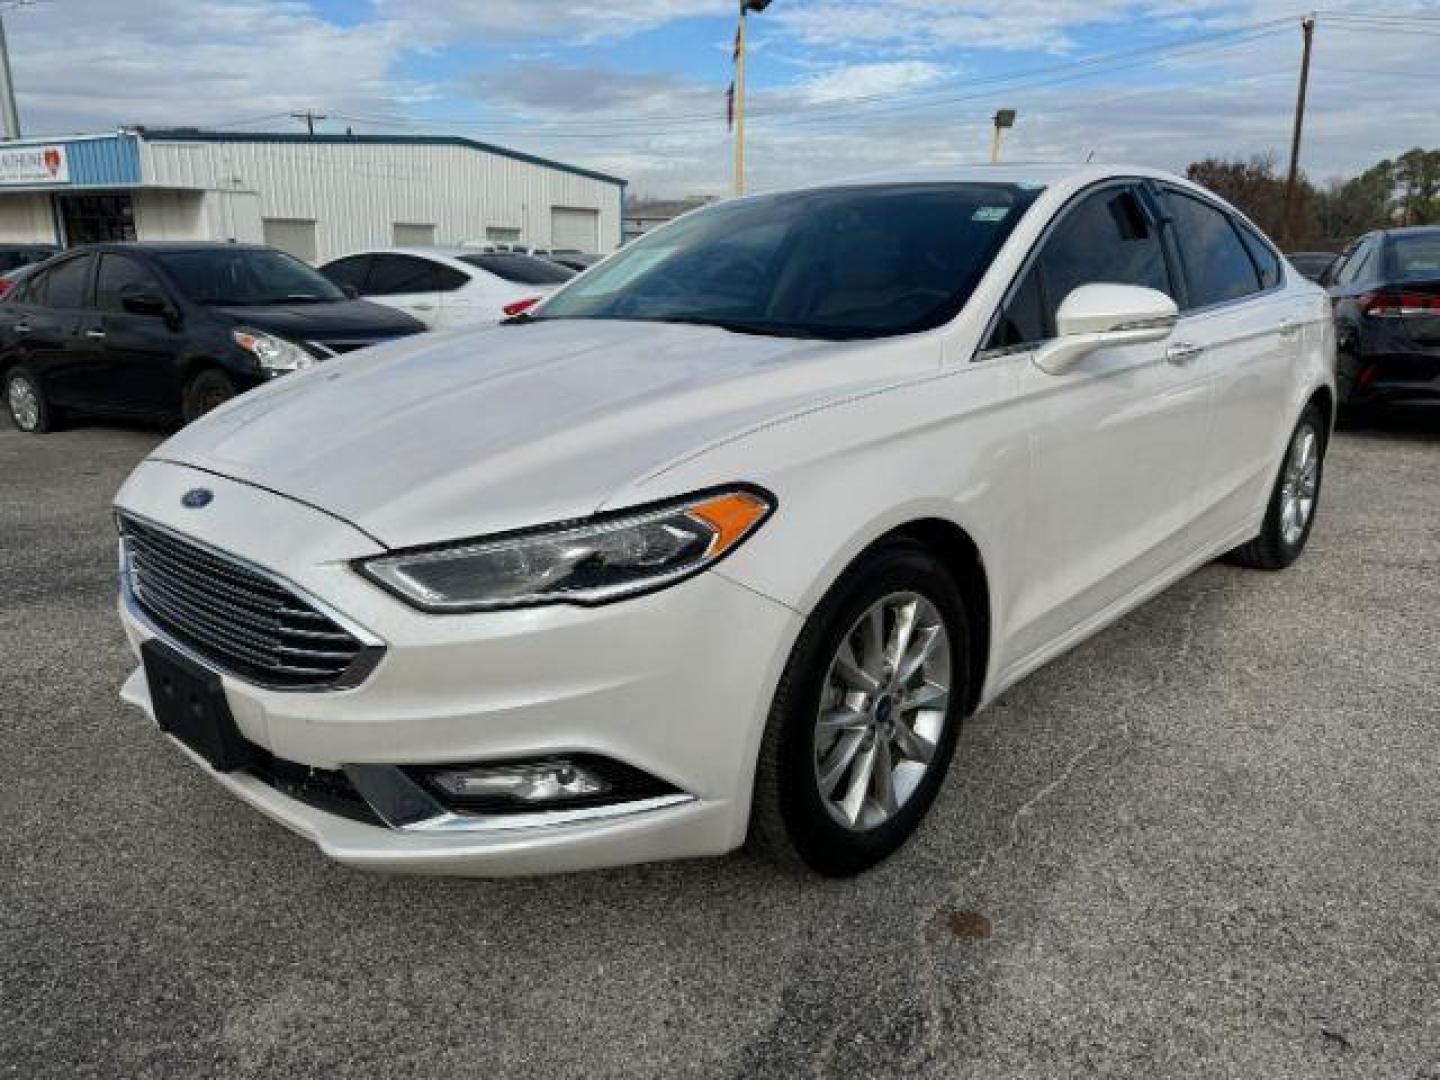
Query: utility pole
point(1307, 27)
point(746, 6)
point(8, 112)
point(309, 116)
point(1004, 119)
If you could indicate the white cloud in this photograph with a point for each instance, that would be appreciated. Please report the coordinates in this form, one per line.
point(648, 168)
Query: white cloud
point(850, 81)
point(571, 21)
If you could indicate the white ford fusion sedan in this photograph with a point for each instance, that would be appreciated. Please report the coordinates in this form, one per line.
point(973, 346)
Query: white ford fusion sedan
point(731, 533)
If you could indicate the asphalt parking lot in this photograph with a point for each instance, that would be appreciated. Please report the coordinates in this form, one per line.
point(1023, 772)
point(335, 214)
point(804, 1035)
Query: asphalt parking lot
point(1207, 843)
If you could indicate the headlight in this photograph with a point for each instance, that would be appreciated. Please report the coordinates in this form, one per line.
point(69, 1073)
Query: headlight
point(609, 557)
point(275, 354)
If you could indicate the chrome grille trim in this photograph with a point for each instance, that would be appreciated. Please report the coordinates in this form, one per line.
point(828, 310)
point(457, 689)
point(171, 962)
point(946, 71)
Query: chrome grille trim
point(237, 618)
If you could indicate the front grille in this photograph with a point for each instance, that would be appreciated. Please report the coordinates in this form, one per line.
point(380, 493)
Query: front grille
point(243, 621)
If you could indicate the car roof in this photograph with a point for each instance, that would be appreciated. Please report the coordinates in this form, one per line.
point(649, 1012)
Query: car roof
point(165, 247)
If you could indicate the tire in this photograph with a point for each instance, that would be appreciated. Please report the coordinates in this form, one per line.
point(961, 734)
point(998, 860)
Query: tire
point(29, 410)
point(207, 389)
point(1280, 541)
point(792, 820)
point(1347, 367)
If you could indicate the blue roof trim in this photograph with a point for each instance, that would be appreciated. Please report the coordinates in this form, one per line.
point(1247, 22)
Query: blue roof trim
point(183, 135)
point(104, 162)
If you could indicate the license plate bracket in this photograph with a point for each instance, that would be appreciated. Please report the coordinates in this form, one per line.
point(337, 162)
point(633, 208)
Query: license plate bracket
point(190, 704)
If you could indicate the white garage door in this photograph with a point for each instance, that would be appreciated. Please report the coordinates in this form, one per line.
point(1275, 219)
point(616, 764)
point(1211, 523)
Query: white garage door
point(414, 235)
point(295, 235)
point(574, 230)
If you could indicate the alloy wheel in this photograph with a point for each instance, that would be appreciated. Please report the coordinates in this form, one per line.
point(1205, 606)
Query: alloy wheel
point(1299, 485)
point(24, 404)
point(883, 710)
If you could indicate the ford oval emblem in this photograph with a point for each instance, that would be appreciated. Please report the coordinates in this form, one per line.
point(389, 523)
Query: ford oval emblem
point(195, 498)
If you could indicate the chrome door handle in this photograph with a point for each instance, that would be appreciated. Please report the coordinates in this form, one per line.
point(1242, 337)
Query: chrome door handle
point(1289, 327)
point(22, 328)
point(95, 335)
point(1182, 352)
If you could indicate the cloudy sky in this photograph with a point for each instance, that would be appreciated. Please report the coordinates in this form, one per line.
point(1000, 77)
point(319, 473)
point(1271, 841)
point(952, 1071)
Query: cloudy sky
point(837, 86)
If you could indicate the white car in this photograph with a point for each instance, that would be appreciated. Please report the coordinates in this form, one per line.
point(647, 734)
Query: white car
point(730, 535)
point(445, 287)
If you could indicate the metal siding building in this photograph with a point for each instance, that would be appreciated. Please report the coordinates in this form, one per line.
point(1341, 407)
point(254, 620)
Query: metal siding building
point(316, 196)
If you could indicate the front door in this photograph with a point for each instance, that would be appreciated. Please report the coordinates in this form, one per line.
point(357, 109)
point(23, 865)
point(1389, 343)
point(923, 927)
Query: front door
point(142, 351)
point(1116, 443)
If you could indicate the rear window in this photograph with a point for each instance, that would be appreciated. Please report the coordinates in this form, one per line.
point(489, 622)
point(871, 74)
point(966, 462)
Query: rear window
point(521, 269)
point(1416, 257)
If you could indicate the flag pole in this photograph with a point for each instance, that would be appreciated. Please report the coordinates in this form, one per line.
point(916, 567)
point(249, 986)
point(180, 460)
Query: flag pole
point(740, 104)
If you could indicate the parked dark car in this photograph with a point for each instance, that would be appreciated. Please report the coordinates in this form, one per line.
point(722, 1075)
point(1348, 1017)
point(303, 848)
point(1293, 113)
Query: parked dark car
point(13, 255)
point(1312, 264)
point(12, 277)
point(171, 330)
point(1386, 290)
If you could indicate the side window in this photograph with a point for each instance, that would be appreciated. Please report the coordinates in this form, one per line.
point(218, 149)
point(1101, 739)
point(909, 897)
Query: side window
point(1266, 261)
point(66, 287)
point(1022, 320)
point(31, 289)
point(391, 275)
point(1361, 268)
point(1106, 237)
point(349, 271)
point(448, 279)
point(1217, 267)
point(120, 276)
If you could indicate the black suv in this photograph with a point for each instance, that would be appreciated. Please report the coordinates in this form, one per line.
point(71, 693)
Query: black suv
point(166, 330)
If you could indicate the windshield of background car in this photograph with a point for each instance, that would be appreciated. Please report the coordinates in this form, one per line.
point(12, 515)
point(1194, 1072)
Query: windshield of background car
point(1416, 257)
point(246, 276)
point(835, 263)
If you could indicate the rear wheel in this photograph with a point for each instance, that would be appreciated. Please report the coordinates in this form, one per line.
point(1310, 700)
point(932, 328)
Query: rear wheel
point(1294, 500)
point(207, 389)
point(29, 409)
point(866, 716)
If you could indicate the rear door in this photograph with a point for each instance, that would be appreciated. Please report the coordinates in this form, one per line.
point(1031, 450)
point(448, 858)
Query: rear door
point(50, 326)
point(1115, 443)
point(407, 282)
point(1247, 329)
point(142, 352)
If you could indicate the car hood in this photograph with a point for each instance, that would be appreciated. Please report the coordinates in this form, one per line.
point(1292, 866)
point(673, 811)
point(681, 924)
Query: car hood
point(328, 319)
point(474, 431)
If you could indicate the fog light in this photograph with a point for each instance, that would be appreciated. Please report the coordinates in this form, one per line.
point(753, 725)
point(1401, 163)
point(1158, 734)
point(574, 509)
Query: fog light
point(533, 782)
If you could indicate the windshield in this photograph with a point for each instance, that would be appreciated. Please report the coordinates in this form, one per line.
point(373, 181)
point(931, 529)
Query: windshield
point(521, 269)
point(224, 275)
point(836, 263)
point(1416, 256)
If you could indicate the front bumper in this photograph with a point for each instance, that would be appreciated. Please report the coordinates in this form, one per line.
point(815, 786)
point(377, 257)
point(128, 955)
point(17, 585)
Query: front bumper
point(676, 684)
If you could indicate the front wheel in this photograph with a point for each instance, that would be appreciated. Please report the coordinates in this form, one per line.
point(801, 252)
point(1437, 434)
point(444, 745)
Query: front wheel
point(866, 716)
point(1293, 501)
point(207, 389)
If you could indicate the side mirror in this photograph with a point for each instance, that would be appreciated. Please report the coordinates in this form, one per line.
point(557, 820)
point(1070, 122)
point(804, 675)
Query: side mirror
point(146, 303)
point(1104, 316)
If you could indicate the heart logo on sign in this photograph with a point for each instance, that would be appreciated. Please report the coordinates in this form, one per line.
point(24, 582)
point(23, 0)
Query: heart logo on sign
point(51, 158)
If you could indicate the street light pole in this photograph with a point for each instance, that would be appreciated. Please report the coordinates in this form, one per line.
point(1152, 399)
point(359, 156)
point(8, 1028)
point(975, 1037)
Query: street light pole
point(740, 102)
point(8, 112)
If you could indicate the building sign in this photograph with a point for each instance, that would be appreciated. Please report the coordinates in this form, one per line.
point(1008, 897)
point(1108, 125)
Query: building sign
point(34, 165)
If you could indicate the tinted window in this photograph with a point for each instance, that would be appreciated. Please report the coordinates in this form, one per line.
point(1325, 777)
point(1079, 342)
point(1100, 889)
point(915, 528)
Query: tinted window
point(521, 269)
point(830, 263)
point(448, 279)
point(1356, 264)
point(120, 277)
point(1106, 237)
point(392, 275)
point(1415, 256)
point(235, 275)
point(65, 283)
point(1023, 319)
point(1267, 263)
point(348, 271)
point(1216, 265)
